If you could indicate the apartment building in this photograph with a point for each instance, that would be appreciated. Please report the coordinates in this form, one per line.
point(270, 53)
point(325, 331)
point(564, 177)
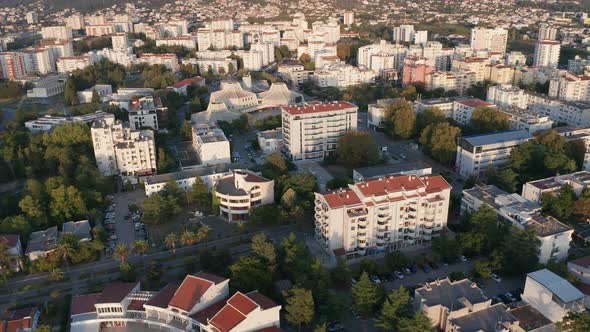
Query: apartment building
point(294, 73)
point(101, 30)
point(476, 153)
point(478, 65)
point(120, 150)
point(501, 74)
point(403, 33)
point(515, 58)
point(463, 109)
point(383, 58)
point(32, 18)
point(547, 32)
point(187, 42)
point(312, 131)
point(169, 60)
point(578, 65)
point(546, 53)
point(241, 191)
point(514, 209)
point(446, 105)
point(211, 145)
point(104, 92)
point(570, 87)
point(520, 119)
point(202, 302)
point(68, 64)
point(76, 22)
point(492, 40)
point(121, 42)
point(435, 52)
point(58, 48)
point(552, 295)
point(575, 114)
point(342, 76)
point(270, 141)
point(219, 38)
point(533, 190)
point(174, 28)
point(144, 111)
point(506, 95)
point(12, 65)
point(378, 112)
point(458, 81)
point(39, 60)
point(57, 32)
point(348, 17)
point(217, 65)
point(381, 215)
point(415, 70)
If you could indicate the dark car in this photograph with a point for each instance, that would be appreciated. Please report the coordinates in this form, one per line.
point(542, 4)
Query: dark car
point(334, 326)
point(426, 268)
point(434, 266)
point(516, 293)
point(414, 268)
point(496, 300)
point(504, 299)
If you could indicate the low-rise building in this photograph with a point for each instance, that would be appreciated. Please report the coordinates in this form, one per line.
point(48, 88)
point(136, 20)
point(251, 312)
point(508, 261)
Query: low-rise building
point(294, 73)
point(80, 229)
point(67, 64)
point(463, 109)
point(186, 178)
point(20, 320)
point(48, 122)
point(181, 87)
point(378, 112)
point(525, 120)
point(580, 269)
point(364, 174)
point(270, 141)
point(234, 96)
point(169, 60)
point(240, 191)
point(187, 42)
point(211, 145)
point(533, 190)
point(476, 153)
point(280, 95)
point(446, 105)
point(47, 86)
point(41, 243)
point(103, 90)
point(552, 295)
point(14, 250)
point(493, 318)
point(144, 112)
point(554, 236)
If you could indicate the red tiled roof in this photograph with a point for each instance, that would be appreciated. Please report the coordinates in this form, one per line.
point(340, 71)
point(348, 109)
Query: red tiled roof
point(116, 292)
point(189, 292)
point(82, 304)
point(17, 320)
point(204, 315)
point(338, 199)
point(474, 102)
point(253, 177)
point(260, 299)
point(187, 81)
point(226, 319)
point(242, 303)
point(10, 240)
point(583, 261)
point(136, 305)
point(162, 299)
point(317, 108)
point(380, 187)
point(435, 183)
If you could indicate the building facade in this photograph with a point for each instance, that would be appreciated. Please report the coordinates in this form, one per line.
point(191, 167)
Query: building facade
point(241, 191)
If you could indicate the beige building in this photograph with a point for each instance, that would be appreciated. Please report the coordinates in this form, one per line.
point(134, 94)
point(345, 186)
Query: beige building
point(120, 150)
point(211, 145)
point(493, 40)
point(239, 192)
point(57, 32)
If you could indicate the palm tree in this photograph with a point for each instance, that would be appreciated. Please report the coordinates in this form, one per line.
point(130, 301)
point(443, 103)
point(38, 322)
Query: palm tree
point(140, 247)
point(121, 253)
point(188, 238)
point(4, 256)
point(56, 274)
point(65, 250)
point(203, 233)
point(170, 242)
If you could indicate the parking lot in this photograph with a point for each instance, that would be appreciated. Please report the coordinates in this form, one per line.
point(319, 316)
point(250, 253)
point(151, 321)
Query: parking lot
point(120, 223)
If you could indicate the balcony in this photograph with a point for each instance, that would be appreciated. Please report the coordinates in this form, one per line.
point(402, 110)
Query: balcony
point(356, 212)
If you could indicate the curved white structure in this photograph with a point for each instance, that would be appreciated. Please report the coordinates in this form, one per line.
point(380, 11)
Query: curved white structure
point(234, 97)
point(240, 191)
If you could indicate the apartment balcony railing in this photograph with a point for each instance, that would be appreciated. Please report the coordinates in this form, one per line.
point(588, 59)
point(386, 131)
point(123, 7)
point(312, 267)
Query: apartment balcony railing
point(356, 212)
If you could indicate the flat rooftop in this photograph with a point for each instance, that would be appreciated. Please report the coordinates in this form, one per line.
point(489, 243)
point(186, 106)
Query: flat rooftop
point(372, 172)
point(484, 320)
point(438, 101)
point(529, 318)
point(498, 137)
point(192, 173)
point(209, 133)
point(451, 294)
point(556, 285)
point(581, 178)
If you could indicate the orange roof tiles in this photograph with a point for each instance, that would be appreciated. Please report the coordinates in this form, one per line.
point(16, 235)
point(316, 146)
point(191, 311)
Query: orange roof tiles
point(82, 304)
point(227, 318)
point(341, 198)
point(242, 303)
point(317, 108)
point(189, 292)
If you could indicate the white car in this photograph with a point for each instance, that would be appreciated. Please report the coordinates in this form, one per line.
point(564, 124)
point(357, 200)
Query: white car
point(399, 275)
point(462, 258)
point(496, 278)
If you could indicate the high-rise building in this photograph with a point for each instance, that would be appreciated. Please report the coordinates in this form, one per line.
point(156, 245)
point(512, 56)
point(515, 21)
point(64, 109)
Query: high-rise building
point(570, 87)
point(313, 131)
point(382, 215)
point(492, 40)
point(211, 144)
point(58, 48)
point(32, 18)
point(120, 150)
point(403, 33)
point(547, 53)
point(506, 95)
point(348, 17)
point(12, 65)
point(120, 42)
point(420, 37)
point(76, 22)
point(547, 32)
point(39, 60)
point(57, 32)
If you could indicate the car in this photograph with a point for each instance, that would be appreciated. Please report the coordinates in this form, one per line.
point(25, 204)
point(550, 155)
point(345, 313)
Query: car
point(375, 279)
point(334, 326)
point(399, 275)
point(496, 278)
point(426, 268)
point(353, 281)
point(414, 268)
point(403, 156)
point(462, 258)
point(407, 271)
point(434, 265)
point(510, 296)
point(113, 237)
point(516, 293)
point(496, 299)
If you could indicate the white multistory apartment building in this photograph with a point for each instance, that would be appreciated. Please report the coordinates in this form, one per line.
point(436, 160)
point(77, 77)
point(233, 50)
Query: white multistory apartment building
point(174, 29)
point(317, 49)
point(493, 40)
point(552, 295)
point(120, 42)
point(382, 215)
point(420, 37)
point(266, 51)
point(313, 131)
point(202, 302)
point(578, 65)
point(76, 22)
point(403, 33)
point(120, 150)
point(187, 42)
point(515, 58)
point(434, 52)
point(143, 112)
point(216, 64)
point(575, 114)
point(342, 76)
point(68, 64)
point(570, 87)
point(58, 48)
point(525, 120)
point(219, 39)
point(241, 191)
point(169, 60)
point(39, 61)
point(533, 190)
point(12, 65)
point(348, 17)
point(479, 65)
point(554, 236)
point(328, 32)
point(476, 153)
point(459, 80)
point(32, 18)
point(546, 53)
point(124, 58)
point(463, 109)
point(295, 73)
point(507, 95)
point(57, 32)
point(547, 32)
point(382, 58)
point(101, 30)
point(211, 145)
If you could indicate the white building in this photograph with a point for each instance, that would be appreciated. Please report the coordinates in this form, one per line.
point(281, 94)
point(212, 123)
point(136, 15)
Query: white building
point(547, 32)
point(312, 131)
point(174, 29)
point(575, 114)
point(120, 150)
point(533, 190)
point(47, 123)
point(546, 53)
point(101, 30)
point(525, 120)
point(515, 58)
point(383, 58)
point(580, 268)
point(234, 97)
point(241, 191)
point(186, 178)
point(403, 33)
point(47, 86)
point(143, 112)
point(294, 73)
point(382, 215)
point(463, 109)
point(476, 153)
point(446, 105)
point(103, 90)
point(202, 302)
point(270, 141)
point(492, 40)
point(342, 76)
point(506, 95)
point(552, 295)
point(76, 22)
point(42, 243)
point(570, 87)
point(414, 167)
point(555, 237)
point(211, 145)
point(169, 60)
point(58, 48)
point(219, 39)
point(68, 64)
point(420, 37)
point(57, 32)
point(348, 17)
point(120, 42)
point(459, 80)
point(39, 61)
point(187, 42)
point(32, 18)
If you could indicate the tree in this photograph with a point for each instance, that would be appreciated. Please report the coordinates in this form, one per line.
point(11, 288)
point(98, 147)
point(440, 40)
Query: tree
point(170, 241)
point(396, 260)
point(165, 163)
point(56, 275)
point(397, 305)
point(200, 195)
point(186, 131)
point(266, 214)
point(265, 249)
point(419, 323)
point(43, 328)
point(277, 162)
point(140, 247)
point(70, 94)
point(66, 249)
point(357, 149)
point(250, 273)
point(561, 205)
point(575, 322)
point(431, 115)
point(95, 97)
point(582, 209)
point(440, 142)
point(121, 253)
point(188, 238)
point(366, 295)
point(483, 269)
point(299, 307)
point(486, 119)
point(402, 118)
point(67, 203)
point(520, 252)
point(447, 247)
point(203, 233)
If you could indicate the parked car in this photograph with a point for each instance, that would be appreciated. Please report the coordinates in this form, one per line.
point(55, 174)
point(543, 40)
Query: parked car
point(426, 268)
point(375, 279)
point(352, 281)
point(496, 299)
point(414, 268)
point(334, 326)
point(496, 278)
point(510, 296)
point(504, 299)
point(113, 237)
point(462, 258)
point(517, 294)
point(399, 275)
point(407, 271)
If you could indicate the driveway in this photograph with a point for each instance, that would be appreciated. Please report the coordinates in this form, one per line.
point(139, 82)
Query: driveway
point(316, 170)
point(125, 229)
point(421, 277)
